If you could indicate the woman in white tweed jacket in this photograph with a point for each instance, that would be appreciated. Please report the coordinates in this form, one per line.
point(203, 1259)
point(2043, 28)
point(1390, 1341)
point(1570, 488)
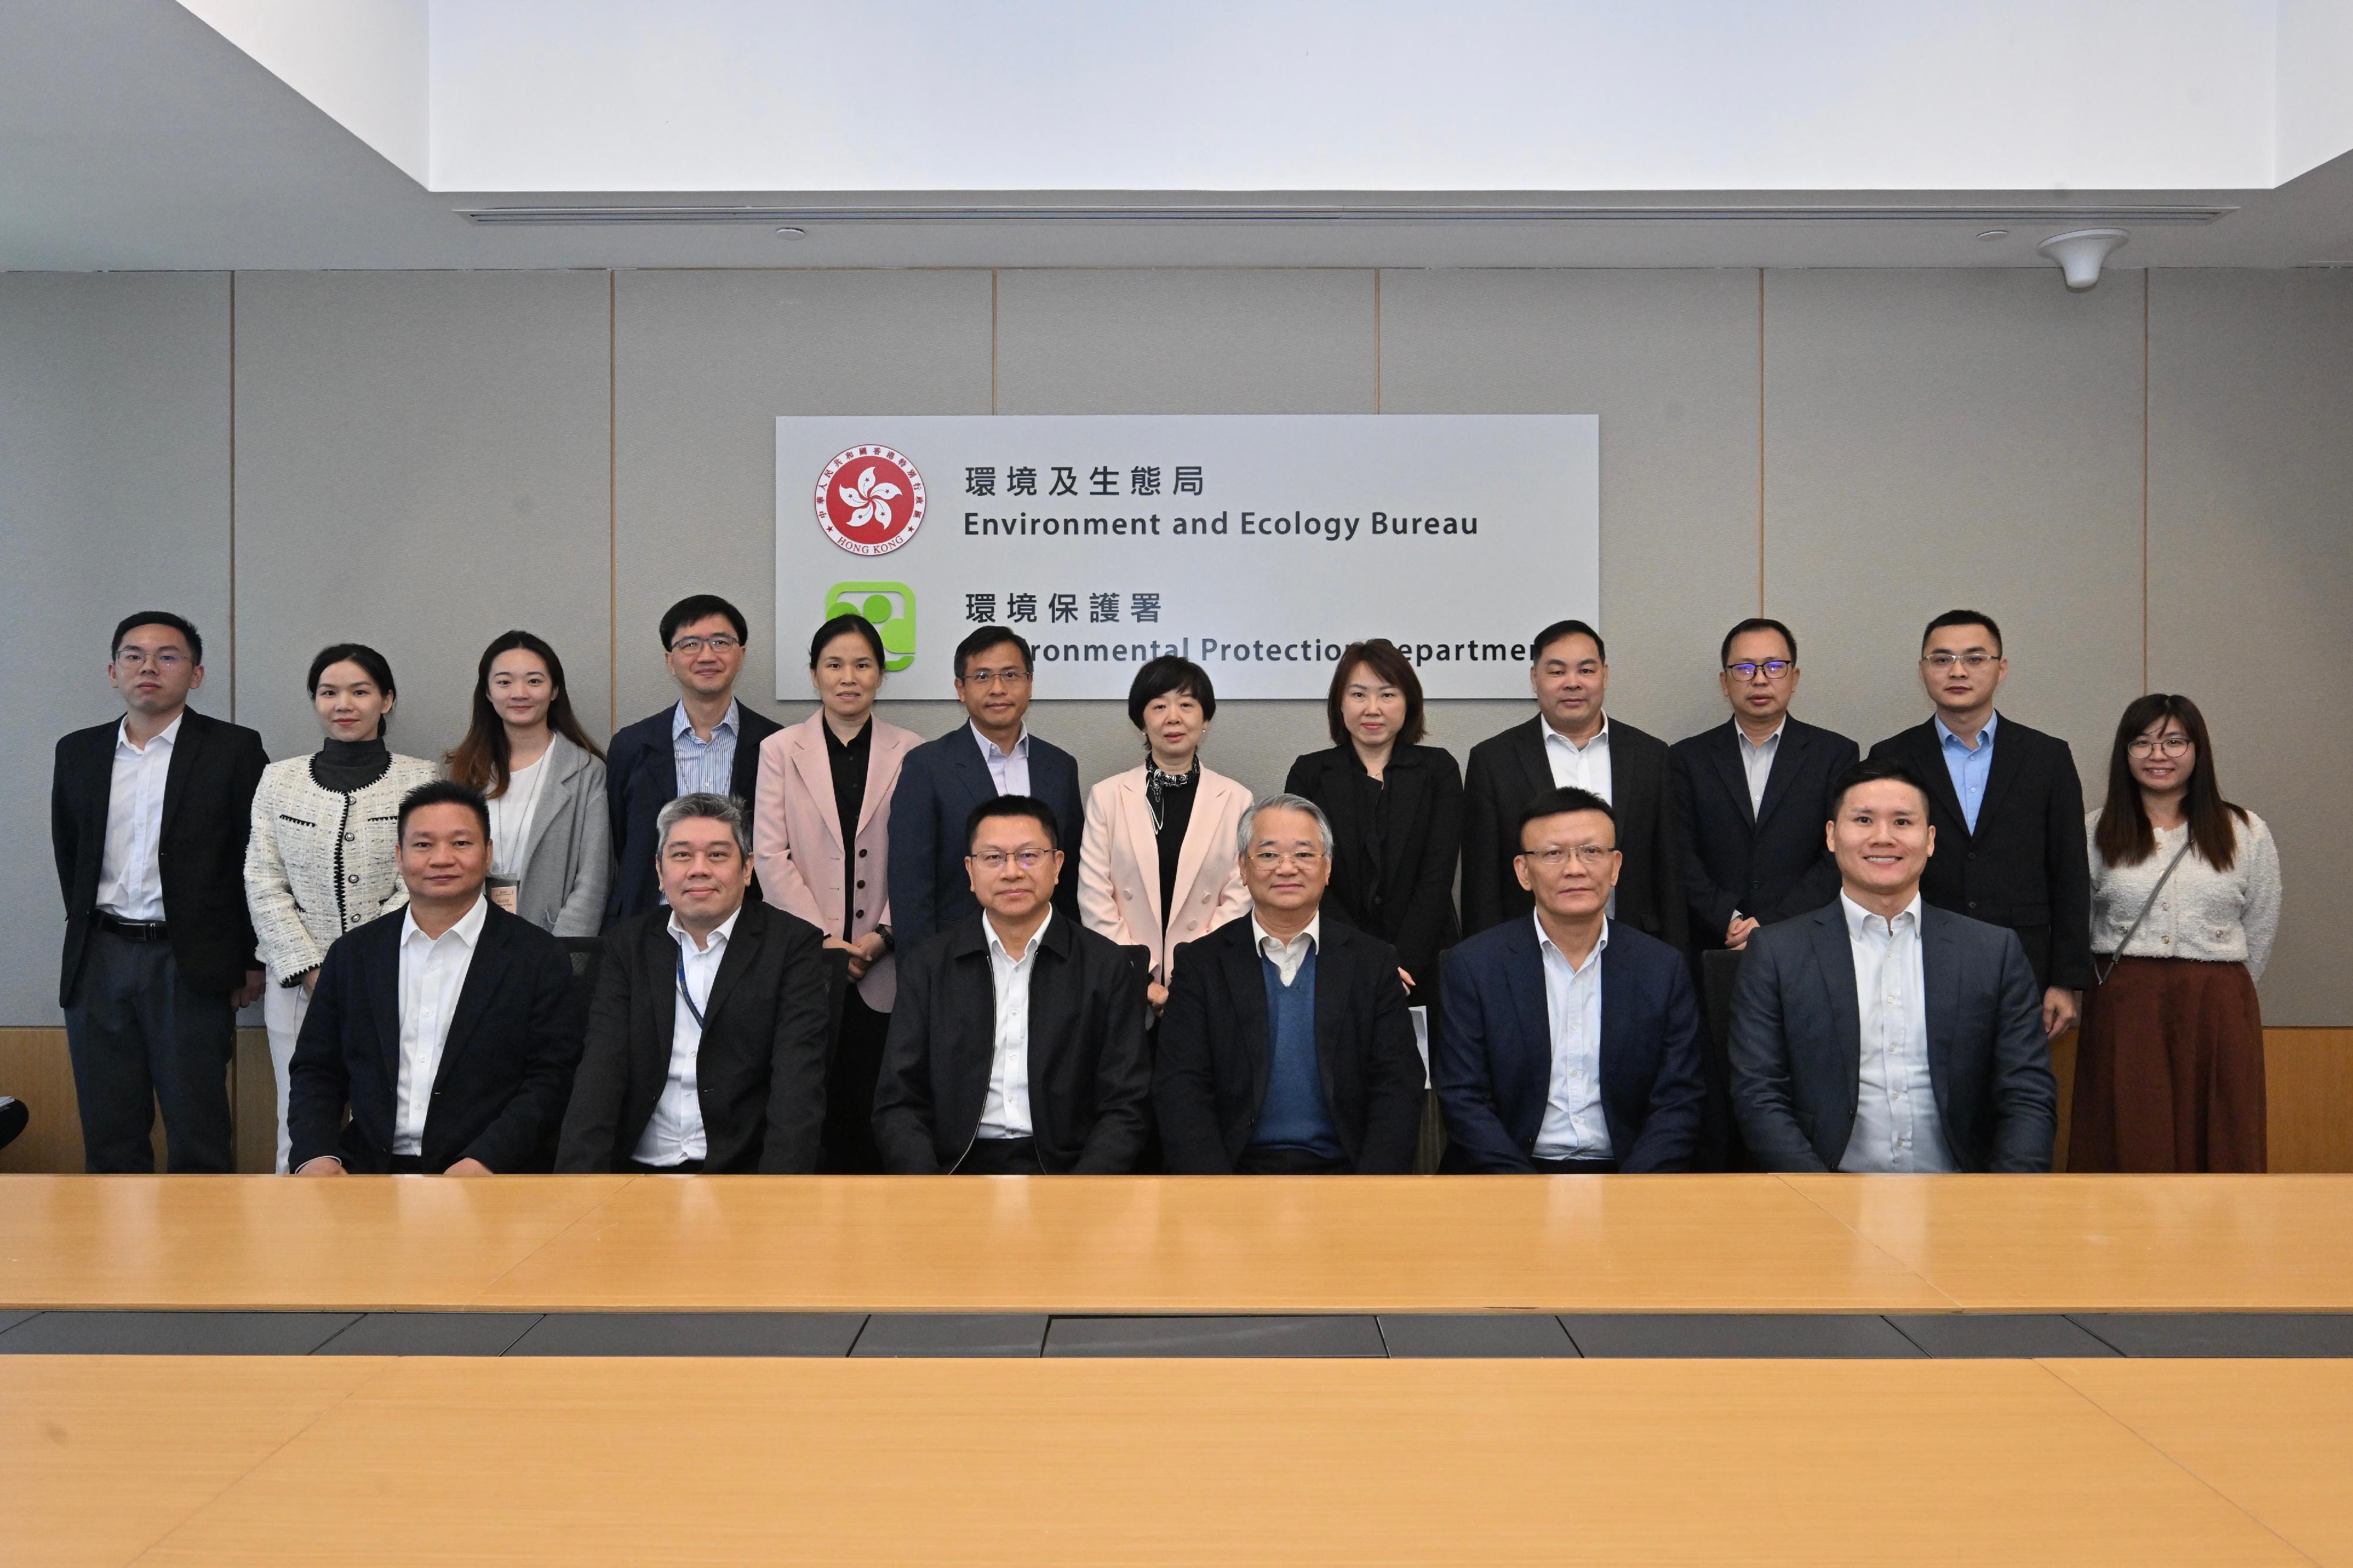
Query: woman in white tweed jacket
point(323, 856)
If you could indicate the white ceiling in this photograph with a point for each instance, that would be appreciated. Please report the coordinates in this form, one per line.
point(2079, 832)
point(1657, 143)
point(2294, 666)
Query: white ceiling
point(132, 136)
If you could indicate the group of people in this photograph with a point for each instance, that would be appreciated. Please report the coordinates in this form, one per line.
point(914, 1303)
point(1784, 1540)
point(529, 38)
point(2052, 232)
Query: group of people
point(836, 946)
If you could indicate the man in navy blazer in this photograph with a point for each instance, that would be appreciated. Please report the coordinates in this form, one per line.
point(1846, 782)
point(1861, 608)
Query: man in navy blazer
point(1880, 1033)
point(1569, 1042)
point(705, 742)
point(440, 1025)
point(940, 783)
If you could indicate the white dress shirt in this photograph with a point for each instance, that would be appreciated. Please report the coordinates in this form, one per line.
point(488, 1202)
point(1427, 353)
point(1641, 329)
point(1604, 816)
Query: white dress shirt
point(673, 1134)
point(1757, 761)
point(1009, 769)
point(432, 974)
point(131, 876)
point(1005, 1113)
point(510, 814)
point(1287, 956)
point(1897, 1127)
point(1573, 1127)
point(1585, 767)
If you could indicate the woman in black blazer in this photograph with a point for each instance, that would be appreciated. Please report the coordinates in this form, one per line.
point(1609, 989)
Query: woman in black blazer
point(1396, 807)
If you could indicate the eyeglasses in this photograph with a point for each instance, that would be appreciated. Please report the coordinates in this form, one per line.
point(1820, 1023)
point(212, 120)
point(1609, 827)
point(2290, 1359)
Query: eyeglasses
point(722, 643)
point(1972, 662)
point(1010, 677)
point(1268, 859)
point(1774, 668)
point(995, 859)
point(1592, 857)
point(133, 658)
point(2170, 745)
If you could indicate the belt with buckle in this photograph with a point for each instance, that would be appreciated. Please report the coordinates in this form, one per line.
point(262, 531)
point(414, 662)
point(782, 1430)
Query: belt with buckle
point(134, 931)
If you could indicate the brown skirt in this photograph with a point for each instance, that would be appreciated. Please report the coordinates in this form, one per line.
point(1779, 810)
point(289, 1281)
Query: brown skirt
point(2170, 1070)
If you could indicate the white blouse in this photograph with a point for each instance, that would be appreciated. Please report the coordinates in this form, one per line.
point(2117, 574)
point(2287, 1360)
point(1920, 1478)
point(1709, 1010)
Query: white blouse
point(510, 814)
point(2219, 917)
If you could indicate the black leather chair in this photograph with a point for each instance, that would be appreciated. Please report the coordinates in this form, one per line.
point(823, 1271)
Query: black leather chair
point(1720, 1148)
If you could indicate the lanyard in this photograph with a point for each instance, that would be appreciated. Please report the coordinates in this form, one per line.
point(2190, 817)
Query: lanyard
point(683, 992)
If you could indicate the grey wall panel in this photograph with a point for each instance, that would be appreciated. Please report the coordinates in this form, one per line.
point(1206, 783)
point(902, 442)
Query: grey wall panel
point(1935, 439)
point(114, 497)
point(1668, 361)
point(2251, 573)
point(704, 362)
point(421, 464)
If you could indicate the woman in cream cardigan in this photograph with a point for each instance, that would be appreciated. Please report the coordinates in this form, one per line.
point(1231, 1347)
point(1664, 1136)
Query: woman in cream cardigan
point(321, 859)
point(1158, 868)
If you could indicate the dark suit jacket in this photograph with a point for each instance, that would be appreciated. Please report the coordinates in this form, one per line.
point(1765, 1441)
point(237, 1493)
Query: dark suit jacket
point(1491, 1057)
point(759, 1070)
point(1405, 896)
point(1209, 1083)
point(1090, 1073)
point(939, 784)
point(641, 777)
point(1509, 770)
point(506, 1063)
point(1767, 863)
point(1797, 1043)
point(2026, 866)
point(208, 815)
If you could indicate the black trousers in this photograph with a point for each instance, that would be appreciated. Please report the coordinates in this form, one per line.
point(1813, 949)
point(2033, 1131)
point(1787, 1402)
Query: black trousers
point(140, 1041)
point(1290, 1163)
point(848, 1148)
point(1574, 1167)
point(1000, 1157)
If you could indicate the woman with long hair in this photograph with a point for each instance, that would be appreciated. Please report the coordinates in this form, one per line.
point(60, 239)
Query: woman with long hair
point(2185, 902)
point(551, 839)
point(324, 857)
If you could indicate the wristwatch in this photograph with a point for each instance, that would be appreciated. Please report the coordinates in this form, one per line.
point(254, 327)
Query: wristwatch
point(890, 942)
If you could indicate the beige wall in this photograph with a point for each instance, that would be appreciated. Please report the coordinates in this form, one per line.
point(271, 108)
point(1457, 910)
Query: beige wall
point(423, 459)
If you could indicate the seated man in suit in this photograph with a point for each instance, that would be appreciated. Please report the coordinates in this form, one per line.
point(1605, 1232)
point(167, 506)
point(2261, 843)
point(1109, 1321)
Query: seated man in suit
point(1286, 1046)
point(706, 1046)
point(440, 1025)
point(941, 781)
point(1568, 1042)
point(1880, 1033)
point(1016, 1039)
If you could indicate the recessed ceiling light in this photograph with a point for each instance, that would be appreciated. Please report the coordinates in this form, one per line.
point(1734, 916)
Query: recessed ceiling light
point(1995, 234)
point(792, 234)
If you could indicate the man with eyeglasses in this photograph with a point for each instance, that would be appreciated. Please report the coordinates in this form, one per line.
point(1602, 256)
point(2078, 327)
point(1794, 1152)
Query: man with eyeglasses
point(149, 815)
point(1569, 1042)
point(942, 781)
point(2008, 806)
point(1016, 1039)
point(705, 744)
point(1286, 1048)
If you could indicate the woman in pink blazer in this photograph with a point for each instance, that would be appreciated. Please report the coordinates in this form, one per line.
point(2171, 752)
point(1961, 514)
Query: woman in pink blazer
point(1159, 865)
point(820, 842)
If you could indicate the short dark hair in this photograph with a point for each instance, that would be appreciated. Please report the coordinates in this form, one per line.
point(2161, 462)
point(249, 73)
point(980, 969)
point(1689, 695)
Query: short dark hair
point(987, 638)
point(1962, 618)
point(1870, 770)
point(1756, 624)
point(1560, 629)
point(1554, 803)
point(1387, 662)
point(701, 607)
point(179, 624)
point(1165, 674)
point(846, 625)
point(445, 791)
point(997, 805)
point(379, 667)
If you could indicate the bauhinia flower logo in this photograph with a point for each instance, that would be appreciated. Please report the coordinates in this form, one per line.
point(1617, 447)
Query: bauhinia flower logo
point(869, 499)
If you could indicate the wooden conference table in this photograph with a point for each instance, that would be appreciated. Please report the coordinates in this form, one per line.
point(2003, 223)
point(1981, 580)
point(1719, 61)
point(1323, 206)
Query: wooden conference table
point(263, 1459)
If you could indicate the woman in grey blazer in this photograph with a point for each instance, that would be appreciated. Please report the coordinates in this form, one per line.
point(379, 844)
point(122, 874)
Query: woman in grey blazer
point(550, 841)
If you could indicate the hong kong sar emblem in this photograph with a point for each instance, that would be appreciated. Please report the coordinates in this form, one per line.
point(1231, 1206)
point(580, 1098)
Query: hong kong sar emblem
point(870, 501)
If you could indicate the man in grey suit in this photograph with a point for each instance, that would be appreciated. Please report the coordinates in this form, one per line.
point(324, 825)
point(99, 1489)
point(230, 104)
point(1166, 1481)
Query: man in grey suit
point(1880, 1034)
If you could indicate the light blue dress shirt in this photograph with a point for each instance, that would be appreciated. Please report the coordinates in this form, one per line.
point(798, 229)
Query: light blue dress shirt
point(1969, 769)
point(706, 767)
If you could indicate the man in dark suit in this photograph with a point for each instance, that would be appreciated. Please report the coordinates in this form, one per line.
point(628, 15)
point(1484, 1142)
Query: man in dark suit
point(941, 781)
point(149, 817)
point(707, 743)
point(1569, 1043)
point(1017, 1042)
point(2008, 806)
point(1572, 743)
point(440, 1025)
point(1880, 1033)
point(1286, 1047)
point(706, 1047)
point(1752, 794)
